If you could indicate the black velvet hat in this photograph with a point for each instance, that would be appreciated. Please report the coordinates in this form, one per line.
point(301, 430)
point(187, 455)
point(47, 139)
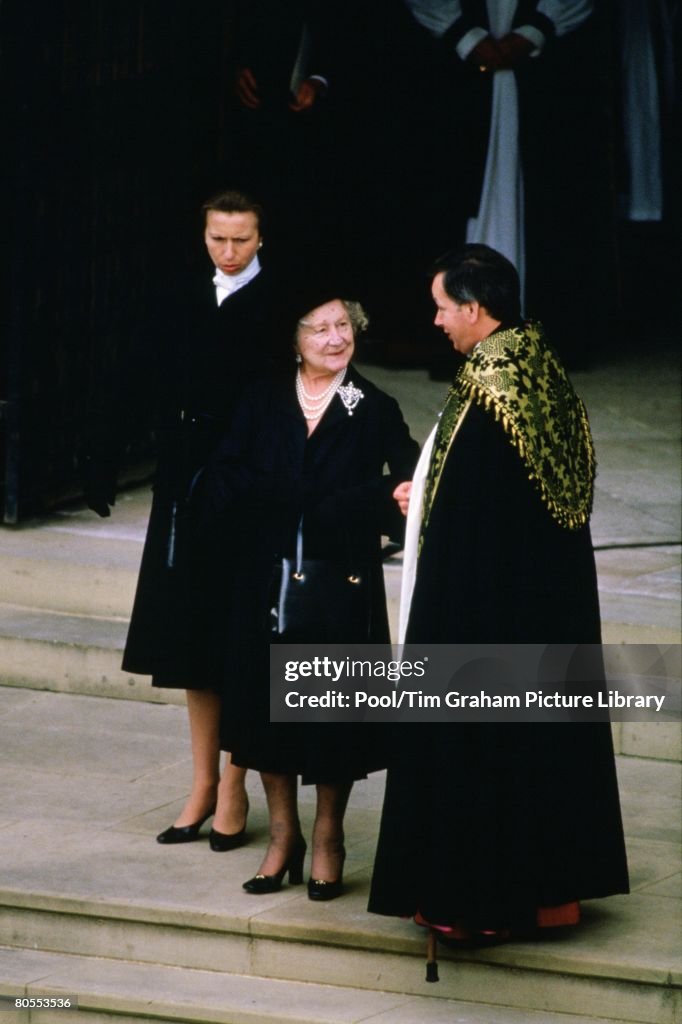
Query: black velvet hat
point(316, 288)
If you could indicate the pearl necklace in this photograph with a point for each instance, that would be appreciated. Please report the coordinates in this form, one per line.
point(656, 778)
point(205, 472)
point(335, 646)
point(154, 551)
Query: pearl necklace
point(313, 406)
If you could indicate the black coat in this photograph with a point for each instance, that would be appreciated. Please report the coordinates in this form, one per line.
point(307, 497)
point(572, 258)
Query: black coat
point(267, 474)
point(503, 818)
point(206, 355)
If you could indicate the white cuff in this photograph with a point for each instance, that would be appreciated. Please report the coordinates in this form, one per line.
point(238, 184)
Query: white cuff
point(534, 36)
point(468, 41)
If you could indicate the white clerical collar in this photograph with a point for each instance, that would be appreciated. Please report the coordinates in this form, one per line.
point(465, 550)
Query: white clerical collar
point(226, 284)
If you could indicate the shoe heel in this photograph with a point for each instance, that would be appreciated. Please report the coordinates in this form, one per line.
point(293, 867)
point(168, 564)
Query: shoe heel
point(296, 866)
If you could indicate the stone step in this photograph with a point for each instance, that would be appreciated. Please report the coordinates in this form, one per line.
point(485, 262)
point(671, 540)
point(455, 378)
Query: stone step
point(290, 940)
point(122, 991)
point(49, 650)
point(87, 783)
point(84, 568)
point(72, 566)
point(68, 583)
point(81, 654)
point(69, 587)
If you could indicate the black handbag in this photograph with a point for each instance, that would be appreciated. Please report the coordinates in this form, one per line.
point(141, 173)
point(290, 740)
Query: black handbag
point(319, 601)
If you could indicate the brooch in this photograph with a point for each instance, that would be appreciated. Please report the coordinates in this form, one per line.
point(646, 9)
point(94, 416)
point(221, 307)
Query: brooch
point(350, 396)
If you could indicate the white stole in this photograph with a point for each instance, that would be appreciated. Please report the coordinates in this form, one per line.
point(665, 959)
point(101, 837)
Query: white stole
point(412, 531)
point(500, 219)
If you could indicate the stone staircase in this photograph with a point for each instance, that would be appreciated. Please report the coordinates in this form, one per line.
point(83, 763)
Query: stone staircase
point(125, 992)
point(92, 907)
point(67, 586)
point(293, 961)
point(66, 590)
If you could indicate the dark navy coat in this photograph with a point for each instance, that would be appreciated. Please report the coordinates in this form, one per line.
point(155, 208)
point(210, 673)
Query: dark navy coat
point(248, 506)
point(204, 358)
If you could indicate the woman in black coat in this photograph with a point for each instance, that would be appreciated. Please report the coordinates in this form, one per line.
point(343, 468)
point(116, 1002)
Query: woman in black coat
point(207, 356)
point(310, 450)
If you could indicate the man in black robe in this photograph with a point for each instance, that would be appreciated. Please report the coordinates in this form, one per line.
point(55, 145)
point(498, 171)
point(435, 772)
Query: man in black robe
point(490, 829)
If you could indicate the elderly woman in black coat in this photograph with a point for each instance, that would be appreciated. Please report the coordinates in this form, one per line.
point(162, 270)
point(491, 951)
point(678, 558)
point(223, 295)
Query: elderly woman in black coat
point(305, 453)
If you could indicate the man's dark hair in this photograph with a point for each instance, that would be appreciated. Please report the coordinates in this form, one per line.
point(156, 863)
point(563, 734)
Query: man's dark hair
point(232, 201)
point(477, 273)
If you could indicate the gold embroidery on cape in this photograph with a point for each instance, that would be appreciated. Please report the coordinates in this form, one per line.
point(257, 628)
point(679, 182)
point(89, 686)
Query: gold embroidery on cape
point(451, 418)
point(517, 377)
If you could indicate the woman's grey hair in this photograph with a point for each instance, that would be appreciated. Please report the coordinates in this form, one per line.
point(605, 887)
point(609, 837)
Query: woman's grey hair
point(357, 316)
point(359, 320)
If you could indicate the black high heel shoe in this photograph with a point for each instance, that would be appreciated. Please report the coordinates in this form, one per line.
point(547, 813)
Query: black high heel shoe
point(320, 890)
point(183, 834)
point(221, 842)
point(262, 884)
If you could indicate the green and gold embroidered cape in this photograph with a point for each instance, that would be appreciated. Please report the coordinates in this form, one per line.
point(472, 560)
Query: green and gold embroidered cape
point(516, 376)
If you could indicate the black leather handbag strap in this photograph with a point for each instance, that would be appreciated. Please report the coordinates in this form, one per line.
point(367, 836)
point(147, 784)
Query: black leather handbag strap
point(299, 549)
point(349, 561)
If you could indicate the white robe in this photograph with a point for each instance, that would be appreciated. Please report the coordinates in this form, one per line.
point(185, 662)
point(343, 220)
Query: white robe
point(500, 219)
point(412, 531)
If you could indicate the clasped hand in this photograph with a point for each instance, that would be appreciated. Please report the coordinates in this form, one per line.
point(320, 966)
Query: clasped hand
point(248, 92)
point(501, 54)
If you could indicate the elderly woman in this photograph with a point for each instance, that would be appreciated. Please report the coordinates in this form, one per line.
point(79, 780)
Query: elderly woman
point(305, 453)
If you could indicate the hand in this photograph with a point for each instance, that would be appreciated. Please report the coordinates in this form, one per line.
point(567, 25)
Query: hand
point(246, 88)
point(487, 55)
point(307, 94)
point(402, 495)
point(514, 50)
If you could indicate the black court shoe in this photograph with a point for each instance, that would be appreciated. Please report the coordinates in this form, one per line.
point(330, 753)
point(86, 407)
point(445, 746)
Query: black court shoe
point(262, 884)
point(183, 834)
point(221, 842)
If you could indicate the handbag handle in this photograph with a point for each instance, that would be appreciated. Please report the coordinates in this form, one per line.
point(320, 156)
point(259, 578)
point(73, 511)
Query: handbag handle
point(298, 573)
